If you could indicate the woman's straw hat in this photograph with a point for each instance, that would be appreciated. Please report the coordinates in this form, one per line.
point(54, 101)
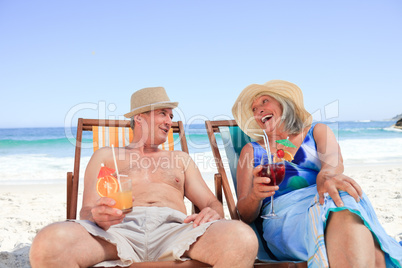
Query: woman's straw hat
point(150, 98)
point(243, 113)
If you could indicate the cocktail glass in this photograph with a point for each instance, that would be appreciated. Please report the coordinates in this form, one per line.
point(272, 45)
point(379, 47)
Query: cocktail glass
point(276, 173)
point(123, 194)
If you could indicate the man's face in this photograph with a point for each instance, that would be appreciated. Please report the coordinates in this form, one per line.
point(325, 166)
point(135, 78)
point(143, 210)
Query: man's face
point(159, 123)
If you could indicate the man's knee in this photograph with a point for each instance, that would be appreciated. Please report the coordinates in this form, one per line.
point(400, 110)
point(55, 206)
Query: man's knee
point(50, 241)
point(243, 238)
point(248, 237)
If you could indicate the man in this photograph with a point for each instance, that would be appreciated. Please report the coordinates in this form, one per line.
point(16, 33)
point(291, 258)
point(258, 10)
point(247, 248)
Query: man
point(157, 228)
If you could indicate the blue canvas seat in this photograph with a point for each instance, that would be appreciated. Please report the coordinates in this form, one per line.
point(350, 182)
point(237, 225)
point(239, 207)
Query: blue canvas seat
point(233, 139)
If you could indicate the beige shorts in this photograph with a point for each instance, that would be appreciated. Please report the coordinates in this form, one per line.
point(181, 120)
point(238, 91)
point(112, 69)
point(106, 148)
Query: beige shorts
point(148, 234)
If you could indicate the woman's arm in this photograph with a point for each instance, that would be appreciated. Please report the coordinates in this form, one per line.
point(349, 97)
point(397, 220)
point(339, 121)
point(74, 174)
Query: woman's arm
point(251, 189)
point(330, 179)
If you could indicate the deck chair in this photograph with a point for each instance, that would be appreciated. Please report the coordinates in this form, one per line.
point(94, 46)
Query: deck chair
point(117, 132)
point(233, 141)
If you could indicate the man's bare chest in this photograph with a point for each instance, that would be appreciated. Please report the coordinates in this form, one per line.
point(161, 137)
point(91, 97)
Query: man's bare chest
point(152, 170)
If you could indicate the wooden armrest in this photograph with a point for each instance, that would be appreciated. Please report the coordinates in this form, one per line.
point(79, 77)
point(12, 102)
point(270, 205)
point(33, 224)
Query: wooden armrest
point(218, 186)
point(69, 192)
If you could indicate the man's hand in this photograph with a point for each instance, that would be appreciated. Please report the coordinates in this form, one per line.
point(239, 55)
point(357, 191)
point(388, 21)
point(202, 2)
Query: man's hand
point(104, 215)
point(205, 215)
point(332, 183)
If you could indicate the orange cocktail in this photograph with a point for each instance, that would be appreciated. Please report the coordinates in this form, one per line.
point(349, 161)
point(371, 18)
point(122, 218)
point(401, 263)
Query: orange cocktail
point(117, 189)
point(123, 194)
point(124, 200)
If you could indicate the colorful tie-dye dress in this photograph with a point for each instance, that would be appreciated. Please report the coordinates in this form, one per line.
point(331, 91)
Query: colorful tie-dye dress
point(298, 233)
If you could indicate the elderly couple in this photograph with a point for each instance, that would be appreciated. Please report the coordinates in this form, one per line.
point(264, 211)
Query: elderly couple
point(326, 218)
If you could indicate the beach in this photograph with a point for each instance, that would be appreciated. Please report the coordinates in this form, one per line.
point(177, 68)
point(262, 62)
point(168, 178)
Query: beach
point(28, 208)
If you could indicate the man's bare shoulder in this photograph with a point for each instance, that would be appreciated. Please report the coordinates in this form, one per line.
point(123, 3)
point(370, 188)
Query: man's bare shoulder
point(182, 160)
point(105, 153)
point(173, 153)
point(181, 155)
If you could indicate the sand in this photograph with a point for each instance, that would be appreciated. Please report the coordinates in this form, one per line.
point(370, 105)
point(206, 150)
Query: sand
point(25, 209)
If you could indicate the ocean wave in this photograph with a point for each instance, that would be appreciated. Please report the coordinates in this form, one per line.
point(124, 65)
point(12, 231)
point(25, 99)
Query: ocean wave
point(36, 168)
point(33, 142)
point(42, 168)
point(16, 141)
point(362, 129)
point(371, 151)
point(393, 129)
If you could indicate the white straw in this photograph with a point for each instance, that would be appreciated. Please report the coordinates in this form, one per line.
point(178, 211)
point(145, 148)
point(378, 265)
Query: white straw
point(115, 164)
point(268, 148)
point(266, 141)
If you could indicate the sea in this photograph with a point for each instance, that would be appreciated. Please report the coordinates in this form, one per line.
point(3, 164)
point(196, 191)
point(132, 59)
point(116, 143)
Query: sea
point(45, 155)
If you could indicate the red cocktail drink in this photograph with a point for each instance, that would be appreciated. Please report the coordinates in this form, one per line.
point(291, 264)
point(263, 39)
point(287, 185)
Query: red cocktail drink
point(276, 173)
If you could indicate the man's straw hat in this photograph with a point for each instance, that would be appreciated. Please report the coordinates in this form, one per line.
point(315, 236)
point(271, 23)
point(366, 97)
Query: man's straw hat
point(243, 113)
point(150, 98)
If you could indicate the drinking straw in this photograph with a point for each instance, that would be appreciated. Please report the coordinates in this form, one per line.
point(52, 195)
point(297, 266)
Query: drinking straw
point(267, 149)
point(115, 164)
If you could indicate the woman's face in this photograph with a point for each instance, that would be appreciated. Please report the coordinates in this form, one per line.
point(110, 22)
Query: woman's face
point(267, 112)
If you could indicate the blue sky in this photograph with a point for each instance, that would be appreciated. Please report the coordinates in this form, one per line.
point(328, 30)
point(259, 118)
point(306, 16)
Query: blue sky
point(60, 60)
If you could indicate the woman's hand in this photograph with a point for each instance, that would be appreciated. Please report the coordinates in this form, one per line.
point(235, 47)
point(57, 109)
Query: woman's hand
point(251, 187)
point(260, 189)
point(331, 179)
point(332, 183)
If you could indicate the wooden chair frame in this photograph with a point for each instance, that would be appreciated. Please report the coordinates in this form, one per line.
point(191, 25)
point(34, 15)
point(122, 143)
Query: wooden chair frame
point(222, 184)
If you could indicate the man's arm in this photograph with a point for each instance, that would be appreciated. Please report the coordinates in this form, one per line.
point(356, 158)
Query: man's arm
point(95, 208)
point(197, 191)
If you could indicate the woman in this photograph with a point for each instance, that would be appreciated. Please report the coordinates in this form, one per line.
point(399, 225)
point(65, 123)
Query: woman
point(324, 217)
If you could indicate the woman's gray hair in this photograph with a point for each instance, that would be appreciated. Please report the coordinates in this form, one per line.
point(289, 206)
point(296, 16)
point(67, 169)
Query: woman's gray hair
point(290, 120)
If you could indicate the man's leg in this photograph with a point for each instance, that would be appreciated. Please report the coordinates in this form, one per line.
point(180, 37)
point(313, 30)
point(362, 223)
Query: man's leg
point(68, 244)
point(226, 244)
point(349, 243)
